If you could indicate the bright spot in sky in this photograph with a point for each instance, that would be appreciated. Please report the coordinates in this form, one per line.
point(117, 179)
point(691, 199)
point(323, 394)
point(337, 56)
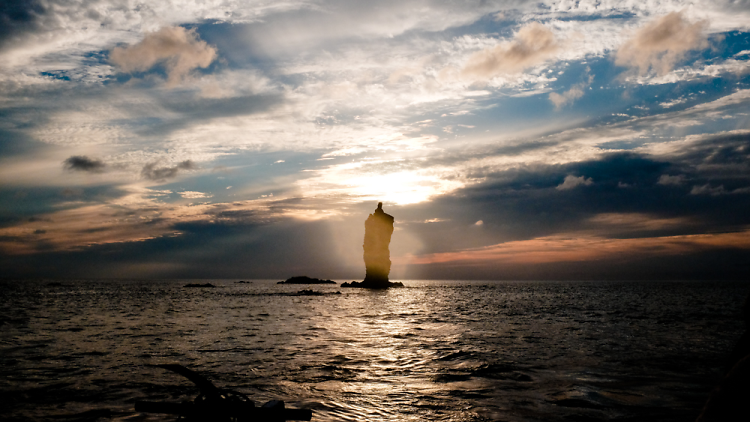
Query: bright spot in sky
point(369, 181)
point(401, 188)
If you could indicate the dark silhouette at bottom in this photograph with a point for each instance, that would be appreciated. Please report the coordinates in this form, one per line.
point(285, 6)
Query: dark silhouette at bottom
point(220, 405)
point(730, 400)
point(378, 230)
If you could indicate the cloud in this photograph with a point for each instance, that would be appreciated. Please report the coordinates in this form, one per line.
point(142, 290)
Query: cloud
point(667, 180)
point(707, 189)
point(178, 49)
point(572, 182)
point(574, 93)
point(533, 44)
point(84, 163)
point(194, 195)
point(566, 97)
point(576, 247)
point(151, 172)
point(659, 45)
point(19, 17)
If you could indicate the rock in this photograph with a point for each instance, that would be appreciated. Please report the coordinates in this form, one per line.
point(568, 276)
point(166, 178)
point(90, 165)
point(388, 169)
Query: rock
point(309, 292)
point(728, 401)
point(305, 280)
point(380, 285)
point(199, 285)
point(377, 256)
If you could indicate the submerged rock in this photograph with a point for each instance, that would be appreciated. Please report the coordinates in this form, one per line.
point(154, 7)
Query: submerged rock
point(379, 285)
point(305, 280)
point(199, 285)
point(309, 292)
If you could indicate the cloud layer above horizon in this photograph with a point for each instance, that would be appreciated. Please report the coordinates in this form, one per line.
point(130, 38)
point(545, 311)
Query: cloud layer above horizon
point(251, 139)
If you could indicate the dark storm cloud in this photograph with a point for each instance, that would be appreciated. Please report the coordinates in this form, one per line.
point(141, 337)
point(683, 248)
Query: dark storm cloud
point(31, 203)
point(20, 17)
point(84, 163)
point(152, 172)
point(720, 152)
point(700, 189)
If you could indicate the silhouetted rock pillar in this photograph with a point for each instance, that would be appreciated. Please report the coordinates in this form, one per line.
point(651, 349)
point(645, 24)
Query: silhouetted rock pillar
point(378, 230)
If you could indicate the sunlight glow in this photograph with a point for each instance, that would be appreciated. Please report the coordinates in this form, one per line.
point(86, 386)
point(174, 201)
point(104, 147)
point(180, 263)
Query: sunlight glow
point(401, 187)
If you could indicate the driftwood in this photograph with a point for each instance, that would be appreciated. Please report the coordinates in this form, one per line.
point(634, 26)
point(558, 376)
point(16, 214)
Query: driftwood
point(221, 405)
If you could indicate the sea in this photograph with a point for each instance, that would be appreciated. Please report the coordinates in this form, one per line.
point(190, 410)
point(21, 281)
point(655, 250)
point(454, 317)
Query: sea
point(435, 350)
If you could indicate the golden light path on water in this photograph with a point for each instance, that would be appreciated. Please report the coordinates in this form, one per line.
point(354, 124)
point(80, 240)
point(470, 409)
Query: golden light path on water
point(382, 336)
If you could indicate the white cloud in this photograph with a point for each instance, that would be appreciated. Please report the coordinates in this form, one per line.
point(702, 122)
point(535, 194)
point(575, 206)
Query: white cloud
point(194, 195)
point(571, 182)
point(668, 104)
point(695, 72)
point(572, 94)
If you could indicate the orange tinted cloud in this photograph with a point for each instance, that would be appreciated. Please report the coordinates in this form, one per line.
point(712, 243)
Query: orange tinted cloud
point(562, 248)
point(179, 49)
point(661, 44)
point(533, 45)
point(136, 218)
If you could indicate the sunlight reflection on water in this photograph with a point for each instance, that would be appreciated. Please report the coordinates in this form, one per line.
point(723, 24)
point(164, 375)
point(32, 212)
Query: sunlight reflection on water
point(436, 350)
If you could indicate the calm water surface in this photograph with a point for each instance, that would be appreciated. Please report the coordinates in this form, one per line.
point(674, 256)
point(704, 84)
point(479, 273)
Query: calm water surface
point(434, 351)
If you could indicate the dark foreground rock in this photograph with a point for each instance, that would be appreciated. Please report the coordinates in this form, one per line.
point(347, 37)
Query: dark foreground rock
point(309, 292)
point(729, 400)
point(373, 285)
point(199, 285)
point(305, 280)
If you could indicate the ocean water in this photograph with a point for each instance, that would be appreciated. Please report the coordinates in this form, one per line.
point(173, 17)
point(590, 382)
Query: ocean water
point(433, 351)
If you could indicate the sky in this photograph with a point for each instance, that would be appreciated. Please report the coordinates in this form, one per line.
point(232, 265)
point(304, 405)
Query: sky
point(251, 139)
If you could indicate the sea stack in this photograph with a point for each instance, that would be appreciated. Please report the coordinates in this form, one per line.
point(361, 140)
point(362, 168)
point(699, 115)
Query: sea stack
point(378, 230)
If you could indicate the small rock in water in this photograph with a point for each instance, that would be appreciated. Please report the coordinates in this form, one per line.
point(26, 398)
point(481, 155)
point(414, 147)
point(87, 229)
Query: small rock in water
point(199, 285)
point(309, 292)
point(305, 280)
